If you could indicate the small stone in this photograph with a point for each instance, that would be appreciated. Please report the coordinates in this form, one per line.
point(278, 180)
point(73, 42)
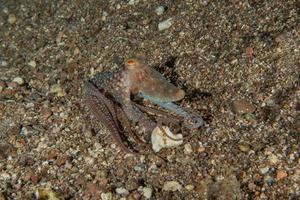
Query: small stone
point(164, 139)
point(147, 192)
point(3, 63)
point(134, 195)
point(122, 191)
point(52, 154)
point(89, 160)
point(160, 10)
point(59, 38)
point(242, 107)
point(107, 196)
point(32, 63)
point(20, 143)
point(76, 51)
point(172, 186)
point(120, 172)
point(12, 18)
point(165, 24)
point(273, 159)
point(201, 148)
point(281, 174)
point(251, 186)
point(56, 88)
point(19, 80)
point(61, 160)
point(189, 187)
point(249, 52)
point(24, 131)
point(45, 193)
point(45, 113)
point(268, 179)
point(34, 179)
point(132, 2)
point(264, 170)
point(132, 184)
point(244, 147)
point(188, 148)
point(5, 176)
point(92, 190)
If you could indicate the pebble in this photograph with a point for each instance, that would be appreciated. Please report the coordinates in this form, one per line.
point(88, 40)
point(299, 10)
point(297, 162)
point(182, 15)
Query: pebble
point(4, 176)
point(19, 80)
point(172, 186)
point(56, 88)
point(273, 159)
point(281, 174)
point(268, 179)
point(52, 154)
point(24, 131)
point(160, 10)
point(189, 187)
point(89, 160)
point(242, 107)
point(160, 140)
point(131, 184)
point(106, 196)
point(45, 193)
point(45, 113)
point(264, 170)
point(122, 191)
point(147, 192)
point(11, 18)
point(244, 147)
point(201, 148)
point(61, 160)
point(32, 64)
point(132, 2)
point(3, 63)
point(165, 24)
point(188, 148)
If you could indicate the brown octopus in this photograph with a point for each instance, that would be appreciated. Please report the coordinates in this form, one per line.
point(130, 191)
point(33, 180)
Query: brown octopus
point(108, 95)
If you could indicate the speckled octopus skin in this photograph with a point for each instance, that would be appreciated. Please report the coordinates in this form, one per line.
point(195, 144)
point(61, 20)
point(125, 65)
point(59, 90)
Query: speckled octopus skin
point(135, 78)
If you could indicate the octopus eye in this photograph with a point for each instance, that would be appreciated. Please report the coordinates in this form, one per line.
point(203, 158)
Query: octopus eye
point(131, 63)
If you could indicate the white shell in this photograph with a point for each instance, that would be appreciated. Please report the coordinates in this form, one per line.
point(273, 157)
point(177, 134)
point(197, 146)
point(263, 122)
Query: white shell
point(160, 139)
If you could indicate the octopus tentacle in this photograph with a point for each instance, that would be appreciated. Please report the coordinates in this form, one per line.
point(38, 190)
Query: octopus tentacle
point(104, 111)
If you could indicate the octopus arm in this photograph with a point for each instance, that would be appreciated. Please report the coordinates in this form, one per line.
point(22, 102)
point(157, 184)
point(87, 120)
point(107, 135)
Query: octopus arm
point(104, 111)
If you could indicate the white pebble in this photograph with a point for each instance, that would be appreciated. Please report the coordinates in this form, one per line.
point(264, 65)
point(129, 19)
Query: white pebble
point(132, 2)
point(19, 80)
point(147, 192)
point(162, 139)
point(3, 63)
point(11, 18)
point(172, 186)
point(32, 64)
point(160, 10)
point(264, 170)
point(4, 176)
point(273, 159)
point(189, 187)
point(106, 196)
point(188, 148)
point(56, 88)
point(165, 24)
point(122, 191)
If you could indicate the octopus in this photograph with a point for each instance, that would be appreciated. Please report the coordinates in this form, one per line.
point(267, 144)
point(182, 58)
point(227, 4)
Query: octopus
point(109, 95)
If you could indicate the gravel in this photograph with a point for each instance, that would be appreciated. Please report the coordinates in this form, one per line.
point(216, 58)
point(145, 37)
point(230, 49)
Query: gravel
point(217, 53)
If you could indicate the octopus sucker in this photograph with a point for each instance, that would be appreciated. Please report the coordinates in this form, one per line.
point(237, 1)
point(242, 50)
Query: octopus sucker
point(108, 95)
